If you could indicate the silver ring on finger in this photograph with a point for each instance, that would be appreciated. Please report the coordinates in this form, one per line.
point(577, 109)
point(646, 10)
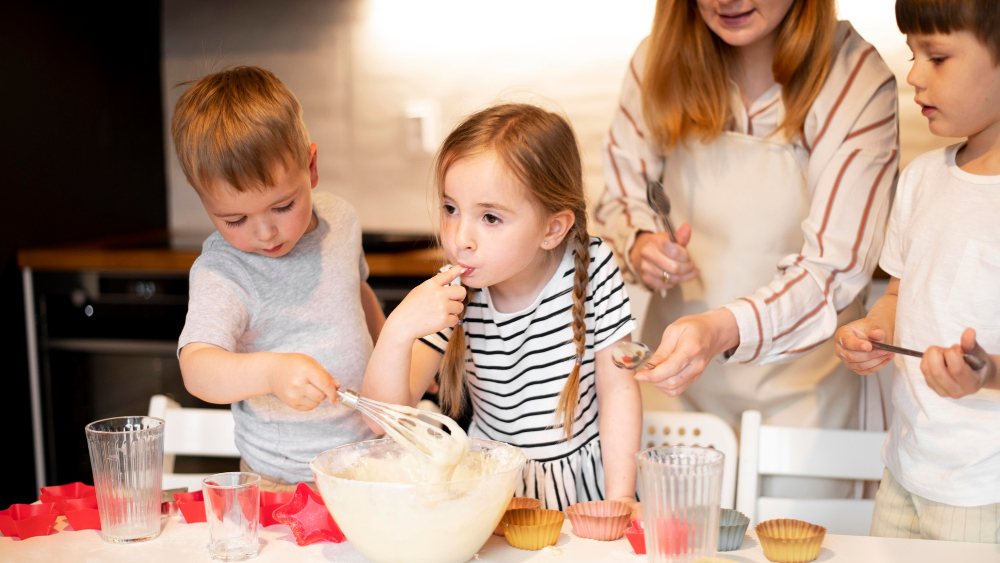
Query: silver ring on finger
point(665, 276)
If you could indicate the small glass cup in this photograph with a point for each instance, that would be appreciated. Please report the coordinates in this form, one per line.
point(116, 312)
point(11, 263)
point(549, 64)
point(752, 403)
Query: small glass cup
point(681, 489)
point(232, 508)
point(126, 456)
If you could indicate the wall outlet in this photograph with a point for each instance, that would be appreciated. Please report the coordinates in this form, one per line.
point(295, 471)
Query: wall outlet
point(422, 118)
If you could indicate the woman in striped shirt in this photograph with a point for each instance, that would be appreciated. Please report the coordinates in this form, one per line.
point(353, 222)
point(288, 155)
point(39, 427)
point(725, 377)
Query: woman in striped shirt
point(773, 129)
point(541, 305)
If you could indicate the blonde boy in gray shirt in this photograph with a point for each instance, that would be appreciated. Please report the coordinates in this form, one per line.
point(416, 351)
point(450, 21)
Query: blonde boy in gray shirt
point(280, 314)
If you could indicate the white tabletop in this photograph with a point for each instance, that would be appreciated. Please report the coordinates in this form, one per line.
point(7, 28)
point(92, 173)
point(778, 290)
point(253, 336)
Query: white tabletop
point(181, 542)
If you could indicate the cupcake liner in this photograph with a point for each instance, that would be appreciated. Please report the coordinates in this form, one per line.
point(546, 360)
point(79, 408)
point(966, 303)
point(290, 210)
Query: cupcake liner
point(532, 529)
point(602, 520)
point(28, 520)
point(82, 513)
point(516, 503)
point(790, 541)
point(637, 537)
point(732, 527)
point(192, 506)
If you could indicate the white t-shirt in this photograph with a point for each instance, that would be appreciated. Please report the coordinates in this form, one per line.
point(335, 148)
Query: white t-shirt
point(944, 246)
point(307, 301)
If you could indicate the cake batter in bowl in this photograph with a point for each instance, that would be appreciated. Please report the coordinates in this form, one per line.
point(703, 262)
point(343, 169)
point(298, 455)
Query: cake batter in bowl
point(377, 493)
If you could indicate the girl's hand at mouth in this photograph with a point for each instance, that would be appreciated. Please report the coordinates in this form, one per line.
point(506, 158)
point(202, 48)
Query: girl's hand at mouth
point(432, 306)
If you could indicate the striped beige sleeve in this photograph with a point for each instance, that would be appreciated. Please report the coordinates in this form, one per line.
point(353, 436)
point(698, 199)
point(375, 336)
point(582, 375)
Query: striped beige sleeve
point(630, 159)
point(853, 144)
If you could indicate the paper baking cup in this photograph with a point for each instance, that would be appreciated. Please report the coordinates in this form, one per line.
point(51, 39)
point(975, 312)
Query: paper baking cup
point(532, 529)
point(790, 541)
point(732, 527)
point(603, 520)
point(516, 503)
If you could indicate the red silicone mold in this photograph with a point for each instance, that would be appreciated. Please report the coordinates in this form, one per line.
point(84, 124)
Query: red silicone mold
point(308, 517)
point(269, 502)
point(59, 494)
point(672, 536)
point(637, 537)
point(191, 505)
point(28, 520)
point(82, 514)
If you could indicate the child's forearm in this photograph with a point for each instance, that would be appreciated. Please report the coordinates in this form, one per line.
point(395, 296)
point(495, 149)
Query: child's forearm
point(374, 316)
point(619, 424)
point(218, 376)
point(883, 311)
point(387, 376)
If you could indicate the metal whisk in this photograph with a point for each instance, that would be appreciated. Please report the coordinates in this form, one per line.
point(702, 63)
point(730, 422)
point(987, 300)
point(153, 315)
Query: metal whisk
point(410, 428)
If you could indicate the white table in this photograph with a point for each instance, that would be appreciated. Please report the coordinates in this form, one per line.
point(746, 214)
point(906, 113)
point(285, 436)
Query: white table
point(182, 543)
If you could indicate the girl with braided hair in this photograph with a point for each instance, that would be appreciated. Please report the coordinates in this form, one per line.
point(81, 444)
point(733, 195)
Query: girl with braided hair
point(528, 333)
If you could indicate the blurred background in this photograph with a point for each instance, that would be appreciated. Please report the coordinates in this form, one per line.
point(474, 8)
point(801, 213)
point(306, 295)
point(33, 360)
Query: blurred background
point(86, 103)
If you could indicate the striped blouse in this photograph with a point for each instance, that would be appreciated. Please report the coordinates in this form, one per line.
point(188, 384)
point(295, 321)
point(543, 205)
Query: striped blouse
point(518, 364)
point(850, 159)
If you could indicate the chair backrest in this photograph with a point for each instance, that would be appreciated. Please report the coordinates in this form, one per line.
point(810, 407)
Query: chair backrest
point(201, 432)
point(668, 428)
point(807, 452)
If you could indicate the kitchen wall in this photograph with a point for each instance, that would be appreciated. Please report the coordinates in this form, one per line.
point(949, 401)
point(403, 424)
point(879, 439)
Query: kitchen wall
point(361, 67)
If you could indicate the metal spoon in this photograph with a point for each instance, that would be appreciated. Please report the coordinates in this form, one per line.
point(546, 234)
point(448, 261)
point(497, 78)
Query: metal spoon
point(656, 196)
point(631, 355)
point(975, 362)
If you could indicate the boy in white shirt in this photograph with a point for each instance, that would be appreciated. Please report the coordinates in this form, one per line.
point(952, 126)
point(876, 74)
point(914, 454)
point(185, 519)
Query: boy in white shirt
point(280, 314)
point(942, 250)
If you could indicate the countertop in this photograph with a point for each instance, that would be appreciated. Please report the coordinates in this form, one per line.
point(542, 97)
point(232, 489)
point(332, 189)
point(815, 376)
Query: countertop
point(388, 255)
point(188, 542)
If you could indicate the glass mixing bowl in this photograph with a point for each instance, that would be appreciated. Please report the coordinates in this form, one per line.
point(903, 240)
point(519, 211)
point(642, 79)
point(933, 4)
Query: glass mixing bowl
point(387, 520)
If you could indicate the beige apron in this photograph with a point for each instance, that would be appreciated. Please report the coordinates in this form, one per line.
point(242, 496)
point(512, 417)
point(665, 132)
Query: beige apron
point(745, 198)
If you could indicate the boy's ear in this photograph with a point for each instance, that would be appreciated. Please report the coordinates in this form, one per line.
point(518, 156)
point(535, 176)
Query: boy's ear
point(313, 170)
point(559, 226)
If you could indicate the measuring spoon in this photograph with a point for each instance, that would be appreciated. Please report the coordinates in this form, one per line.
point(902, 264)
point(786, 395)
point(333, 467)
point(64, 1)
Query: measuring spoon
point(631, 355)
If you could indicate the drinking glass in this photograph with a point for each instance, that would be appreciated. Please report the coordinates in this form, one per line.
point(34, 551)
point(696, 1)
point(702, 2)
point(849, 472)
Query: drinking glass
point(681, 489)
point(232, 508)
point(126, 456)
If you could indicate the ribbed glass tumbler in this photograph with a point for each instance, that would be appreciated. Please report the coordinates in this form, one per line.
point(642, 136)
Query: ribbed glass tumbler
point(680, 488)
point(126, 455)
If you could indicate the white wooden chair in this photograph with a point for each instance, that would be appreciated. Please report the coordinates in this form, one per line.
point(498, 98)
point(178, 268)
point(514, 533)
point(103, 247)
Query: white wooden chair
point(201, 432)
point(668, 428)
point(807, 452)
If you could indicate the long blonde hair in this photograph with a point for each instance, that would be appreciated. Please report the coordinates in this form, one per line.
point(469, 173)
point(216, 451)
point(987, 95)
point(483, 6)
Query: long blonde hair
point(686, 80)
point(540, 150)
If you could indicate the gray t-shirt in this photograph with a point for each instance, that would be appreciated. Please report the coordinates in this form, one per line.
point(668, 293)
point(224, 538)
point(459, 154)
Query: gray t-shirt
point(307, 301)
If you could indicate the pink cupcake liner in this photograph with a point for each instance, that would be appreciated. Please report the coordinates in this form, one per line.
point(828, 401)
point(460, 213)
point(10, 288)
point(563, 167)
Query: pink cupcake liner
point(602, 520)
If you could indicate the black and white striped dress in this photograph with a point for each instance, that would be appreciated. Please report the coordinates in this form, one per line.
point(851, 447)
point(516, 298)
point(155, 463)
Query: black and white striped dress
point(518, 364)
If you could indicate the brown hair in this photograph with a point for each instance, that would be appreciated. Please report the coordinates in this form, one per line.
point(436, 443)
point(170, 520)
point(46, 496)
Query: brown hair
point(540, 150)
point(235, 125)
point(686, 81)
point(980, 17)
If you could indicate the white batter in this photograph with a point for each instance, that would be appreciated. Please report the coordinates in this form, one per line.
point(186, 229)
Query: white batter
point(392, 507)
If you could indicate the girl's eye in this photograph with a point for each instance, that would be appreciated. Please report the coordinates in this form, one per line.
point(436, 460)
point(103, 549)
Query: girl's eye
point(285, 208)
point(449, 209)
point(492, 219)
point(237, 222)
point(937, 60)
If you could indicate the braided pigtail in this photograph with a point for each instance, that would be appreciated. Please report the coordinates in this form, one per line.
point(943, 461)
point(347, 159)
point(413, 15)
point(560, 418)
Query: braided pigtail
point(451, 392)
point(570, 393)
